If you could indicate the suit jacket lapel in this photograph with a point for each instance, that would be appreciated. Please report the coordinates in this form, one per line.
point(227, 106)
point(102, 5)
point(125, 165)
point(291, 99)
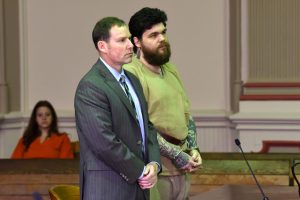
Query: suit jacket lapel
point(139, 91)
point(115, 86)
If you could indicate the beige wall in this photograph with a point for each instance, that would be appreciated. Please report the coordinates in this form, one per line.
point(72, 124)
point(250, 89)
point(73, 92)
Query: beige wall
point(58, 47)
point(56, 50)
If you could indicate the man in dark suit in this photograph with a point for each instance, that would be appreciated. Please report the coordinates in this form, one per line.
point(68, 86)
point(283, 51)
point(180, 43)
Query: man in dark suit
point(119, 153)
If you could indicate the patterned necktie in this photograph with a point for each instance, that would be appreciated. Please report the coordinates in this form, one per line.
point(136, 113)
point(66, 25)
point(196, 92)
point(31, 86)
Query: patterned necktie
point(122, 81)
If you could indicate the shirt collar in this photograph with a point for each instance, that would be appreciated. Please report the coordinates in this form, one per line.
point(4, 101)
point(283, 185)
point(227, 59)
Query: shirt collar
point(114, 72)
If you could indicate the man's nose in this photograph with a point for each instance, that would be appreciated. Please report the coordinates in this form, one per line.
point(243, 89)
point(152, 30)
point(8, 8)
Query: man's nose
point(130, 45)
point(162, 37)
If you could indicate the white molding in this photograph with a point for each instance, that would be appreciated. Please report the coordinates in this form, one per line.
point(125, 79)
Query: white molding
point(216, 129)
point(212, 118)
point(267, 121)
point(3, 82)
point(213, 121)
point(244, 41)
point(20, 120)
point(226, 51)
point(23, 36)
point(2, 68)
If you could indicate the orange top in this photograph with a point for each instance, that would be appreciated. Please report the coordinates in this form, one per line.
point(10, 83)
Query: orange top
point(56, 146)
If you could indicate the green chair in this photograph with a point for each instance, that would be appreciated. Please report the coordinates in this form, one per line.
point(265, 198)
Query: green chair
point(64, 192)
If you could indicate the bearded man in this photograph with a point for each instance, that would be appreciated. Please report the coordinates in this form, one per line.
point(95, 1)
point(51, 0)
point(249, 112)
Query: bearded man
point(168, 104)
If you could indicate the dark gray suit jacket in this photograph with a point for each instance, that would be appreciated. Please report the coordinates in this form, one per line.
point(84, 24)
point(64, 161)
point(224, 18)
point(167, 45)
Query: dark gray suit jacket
point(111, 158)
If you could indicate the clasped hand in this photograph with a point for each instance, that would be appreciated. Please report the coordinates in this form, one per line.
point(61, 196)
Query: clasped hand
point(194, 162)
point(149, 178)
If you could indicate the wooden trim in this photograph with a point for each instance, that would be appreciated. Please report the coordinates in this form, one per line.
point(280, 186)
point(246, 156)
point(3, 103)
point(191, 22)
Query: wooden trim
point(271, 85)
point(267, 144)
point(290, 88)
point(270, 97)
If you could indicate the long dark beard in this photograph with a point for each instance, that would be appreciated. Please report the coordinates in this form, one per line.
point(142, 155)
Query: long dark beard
point(154, 57)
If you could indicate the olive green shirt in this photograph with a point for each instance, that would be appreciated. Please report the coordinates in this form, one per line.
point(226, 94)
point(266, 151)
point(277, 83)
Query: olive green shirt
point(167, 100)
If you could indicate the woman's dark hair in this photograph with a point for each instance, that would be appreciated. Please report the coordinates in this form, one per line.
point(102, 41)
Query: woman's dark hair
point(143, 20)
point(102, 28)
point(32, 131)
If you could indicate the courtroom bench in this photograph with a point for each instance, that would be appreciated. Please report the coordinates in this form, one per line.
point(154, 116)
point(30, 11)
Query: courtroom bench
point(19, 178)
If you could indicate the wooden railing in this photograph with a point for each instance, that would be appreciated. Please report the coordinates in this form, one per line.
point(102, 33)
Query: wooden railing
point(20, 178)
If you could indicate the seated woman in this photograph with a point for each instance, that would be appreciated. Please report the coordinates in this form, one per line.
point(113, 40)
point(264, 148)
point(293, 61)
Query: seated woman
point(41, 138)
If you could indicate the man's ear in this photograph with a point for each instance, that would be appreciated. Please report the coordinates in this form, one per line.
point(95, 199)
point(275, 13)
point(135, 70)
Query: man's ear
point(102, 46)
point(137, 42)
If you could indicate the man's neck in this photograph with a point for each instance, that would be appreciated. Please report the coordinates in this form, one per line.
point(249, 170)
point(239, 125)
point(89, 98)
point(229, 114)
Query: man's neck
point(110, 64)
point(153, 68)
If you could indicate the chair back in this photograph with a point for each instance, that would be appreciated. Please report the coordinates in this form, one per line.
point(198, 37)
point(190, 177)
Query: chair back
point(64, 192)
